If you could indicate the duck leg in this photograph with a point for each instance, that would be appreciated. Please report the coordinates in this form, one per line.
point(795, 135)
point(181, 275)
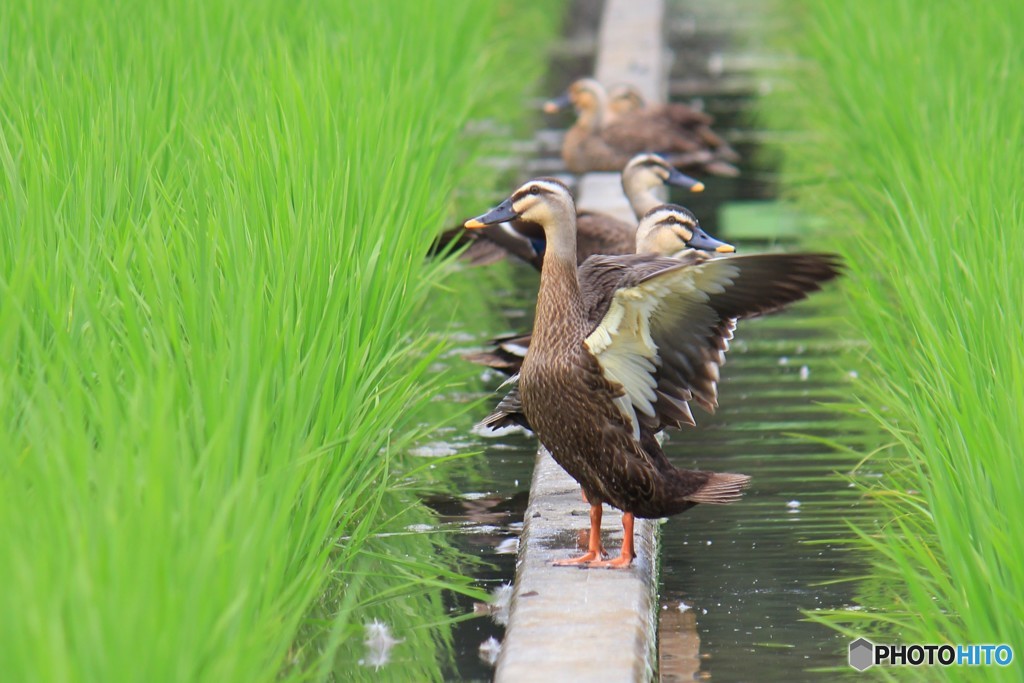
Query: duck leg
point(625, 558)
point(585, 535)
point(594, 548)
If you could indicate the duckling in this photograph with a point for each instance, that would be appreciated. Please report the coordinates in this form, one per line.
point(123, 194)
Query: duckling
point(596, 395)
point(598, 233)
point(664, 230)
point(595, 144)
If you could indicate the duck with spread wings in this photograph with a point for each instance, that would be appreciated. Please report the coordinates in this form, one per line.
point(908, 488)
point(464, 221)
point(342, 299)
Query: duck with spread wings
point(665, 230)
point(597, 395)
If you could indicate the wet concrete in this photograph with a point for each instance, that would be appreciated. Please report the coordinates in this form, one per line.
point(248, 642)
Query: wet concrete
point(573, 623)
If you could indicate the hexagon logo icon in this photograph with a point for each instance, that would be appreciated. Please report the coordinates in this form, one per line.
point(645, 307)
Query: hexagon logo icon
point(862, 654)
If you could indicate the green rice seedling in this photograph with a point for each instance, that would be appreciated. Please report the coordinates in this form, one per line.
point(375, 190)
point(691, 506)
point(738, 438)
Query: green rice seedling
point(213, 217)
point(916, 114)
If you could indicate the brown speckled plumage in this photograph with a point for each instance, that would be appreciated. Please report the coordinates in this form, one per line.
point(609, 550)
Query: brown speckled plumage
point(568, 402)
point(658, 121)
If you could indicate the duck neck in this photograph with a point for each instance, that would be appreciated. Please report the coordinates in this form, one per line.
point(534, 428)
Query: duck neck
point(641, 195)
point(592, 117)
point(559, 301)
point(590, 120)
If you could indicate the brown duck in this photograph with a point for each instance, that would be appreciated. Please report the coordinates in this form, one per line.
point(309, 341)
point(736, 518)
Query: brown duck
point(596, 396)
point(597, 233)
point(626, 104)
point(682, 135)
point(665, 230)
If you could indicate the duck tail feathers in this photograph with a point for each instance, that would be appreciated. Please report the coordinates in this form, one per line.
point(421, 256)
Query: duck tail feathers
point(720, 489)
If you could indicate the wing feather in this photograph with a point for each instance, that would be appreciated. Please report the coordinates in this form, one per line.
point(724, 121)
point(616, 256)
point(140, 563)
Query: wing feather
point(626, 353)
point(664, 334)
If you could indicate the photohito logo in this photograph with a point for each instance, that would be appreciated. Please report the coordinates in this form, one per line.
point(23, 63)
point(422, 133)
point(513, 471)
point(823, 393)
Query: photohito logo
point(865, 654)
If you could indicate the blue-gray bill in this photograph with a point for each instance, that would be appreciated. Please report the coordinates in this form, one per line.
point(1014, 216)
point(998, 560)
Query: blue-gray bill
point(705, 242)
point(499, 214)
point(558, 104)
point(679, 179)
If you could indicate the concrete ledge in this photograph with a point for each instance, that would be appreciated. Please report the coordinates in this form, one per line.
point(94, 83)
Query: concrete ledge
point(602, 192)
point(630, 51)
point(631, 47)
point(572, 623)
point(569, 623)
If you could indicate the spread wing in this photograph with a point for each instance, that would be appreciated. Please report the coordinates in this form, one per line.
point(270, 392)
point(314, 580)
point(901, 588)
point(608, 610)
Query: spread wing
point(661, 326)
point(600, 277)
point(666, 328)
point(600, 280)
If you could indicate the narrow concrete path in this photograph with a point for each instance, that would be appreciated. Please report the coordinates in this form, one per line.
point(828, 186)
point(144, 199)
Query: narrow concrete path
point(568, 623)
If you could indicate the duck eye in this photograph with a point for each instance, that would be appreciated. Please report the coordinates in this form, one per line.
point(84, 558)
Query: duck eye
point(534, 190)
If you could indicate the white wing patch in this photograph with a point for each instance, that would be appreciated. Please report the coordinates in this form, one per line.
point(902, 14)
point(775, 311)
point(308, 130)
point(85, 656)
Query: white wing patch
point(622, 343)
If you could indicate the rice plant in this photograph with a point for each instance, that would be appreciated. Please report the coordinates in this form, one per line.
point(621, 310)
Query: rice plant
point(213, 216)
point(916, 113)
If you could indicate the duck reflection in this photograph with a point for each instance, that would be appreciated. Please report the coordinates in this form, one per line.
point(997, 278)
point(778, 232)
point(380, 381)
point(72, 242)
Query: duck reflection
point(678, 643)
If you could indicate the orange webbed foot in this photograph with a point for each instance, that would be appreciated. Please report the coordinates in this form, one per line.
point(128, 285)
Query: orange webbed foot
point(594, 547)
point(583, 541)
point(625, 558)
point(584, 559)
point(620, 562)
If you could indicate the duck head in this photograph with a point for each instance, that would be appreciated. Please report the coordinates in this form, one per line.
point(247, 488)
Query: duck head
point(645, 172)
point(543, 201)
point(670, 228)
point(624, 99)
point(588, 98)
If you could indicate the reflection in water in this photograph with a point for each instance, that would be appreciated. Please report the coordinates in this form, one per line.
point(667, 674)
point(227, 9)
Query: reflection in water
point(379, 642)
point(489, 651)
point(750, 571)
point(678, 643)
